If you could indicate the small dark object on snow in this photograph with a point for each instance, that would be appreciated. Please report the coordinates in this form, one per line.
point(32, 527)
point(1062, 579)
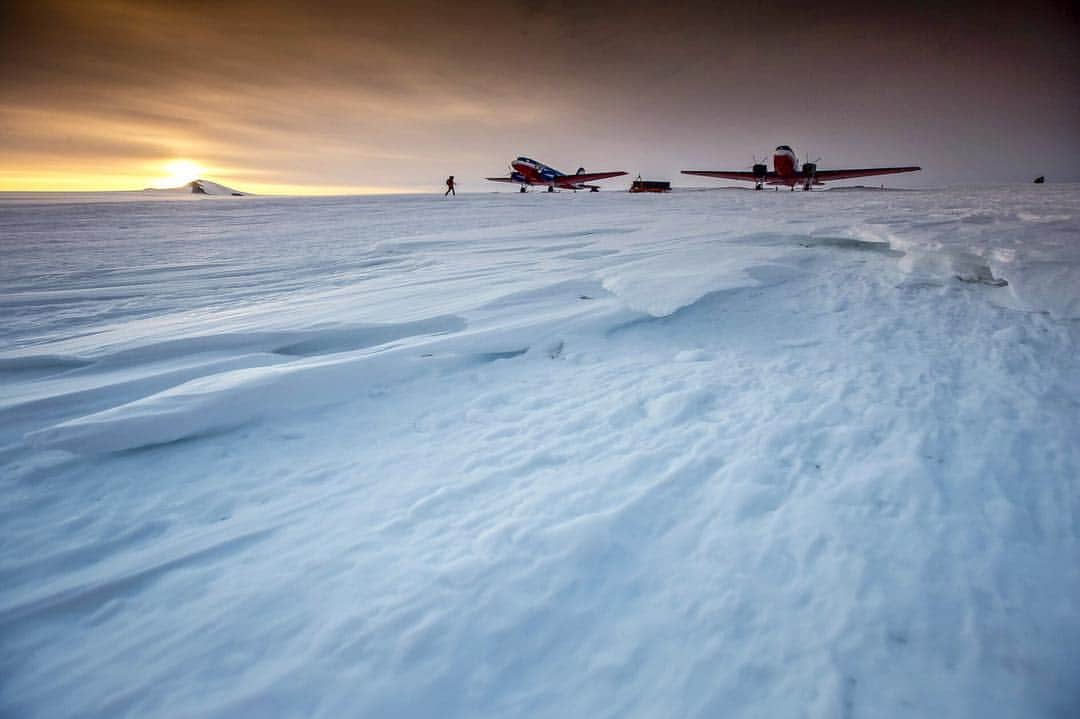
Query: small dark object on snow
point(1040, 180)
point(650, 186)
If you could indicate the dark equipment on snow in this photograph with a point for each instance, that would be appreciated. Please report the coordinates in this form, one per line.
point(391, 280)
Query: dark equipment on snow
point(640, 185)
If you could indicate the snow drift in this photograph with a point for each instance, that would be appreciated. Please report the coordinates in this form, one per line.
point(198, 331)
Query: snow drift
point(710, 453)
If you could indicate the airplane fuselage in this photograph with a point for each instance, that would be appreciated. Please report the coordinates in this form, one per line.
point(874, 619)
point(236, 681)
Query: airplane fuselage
point(786, 165)
point(531, 172)
point(788, 172)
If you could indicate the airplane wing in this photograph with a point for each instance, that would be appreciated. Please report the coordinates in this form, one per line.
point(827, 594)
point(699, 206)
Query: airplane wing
point(723, 175)
point(826, 175)
point(585, 177)
point(501, 179)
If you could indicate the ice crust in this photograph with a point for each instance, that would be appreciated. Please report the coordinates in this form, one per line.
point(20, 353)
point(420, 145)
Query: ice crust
point(704, 454)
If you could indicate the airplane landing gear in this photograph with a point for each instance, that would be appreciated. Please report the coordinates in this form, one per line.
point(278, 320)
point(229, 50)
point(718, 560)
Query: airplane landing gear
point(522, 189)
point(551, 188)
point(594, 189)
point(761, 173)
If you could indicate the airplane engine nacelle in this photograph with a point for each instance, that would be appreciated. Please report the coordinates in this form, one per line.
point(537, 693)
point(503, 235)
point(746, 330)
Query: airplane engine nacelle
point(808, 169)
point(760, 170)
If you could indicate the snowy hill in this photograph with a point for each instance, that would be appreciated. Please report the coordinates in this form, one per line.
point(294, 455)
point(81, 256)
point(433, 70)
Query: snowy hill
point(200, 187)
point(738, 454)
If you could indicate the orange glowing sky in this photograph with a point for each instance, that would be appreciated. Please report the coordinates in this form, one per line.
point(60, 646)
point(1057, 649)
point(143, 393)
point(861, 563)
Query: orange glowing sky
point(291, 97)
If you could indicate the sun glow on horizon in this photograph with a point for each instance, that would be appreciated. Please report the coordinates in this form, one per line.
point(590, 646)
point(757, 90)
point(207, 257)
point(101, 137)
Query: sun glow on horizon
point(180, 172)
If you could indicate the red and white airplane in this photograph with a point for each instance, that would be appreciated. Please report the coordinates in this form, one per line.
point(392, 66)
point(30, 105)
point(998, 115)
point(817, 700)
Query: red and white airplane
point(525, 172)
point(786, 171)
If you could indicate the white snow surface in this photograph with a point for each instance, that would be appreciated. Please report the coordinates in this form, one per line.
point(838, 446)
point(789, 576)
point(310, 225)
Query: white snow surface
point(725, 453)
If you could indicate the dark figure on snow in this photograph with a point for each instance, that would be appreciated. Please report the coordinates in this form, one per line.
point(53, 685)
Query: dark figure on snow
point(450, 186)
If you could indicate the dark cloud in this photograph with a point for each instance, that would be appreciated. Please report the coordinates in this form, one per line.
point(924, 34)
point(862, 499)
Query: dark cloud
point(399, 93)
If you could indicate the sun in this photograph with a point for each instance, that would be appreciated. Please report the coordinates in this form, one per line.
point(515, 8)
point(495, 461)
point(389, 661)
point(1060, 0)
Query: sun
point(179, 172)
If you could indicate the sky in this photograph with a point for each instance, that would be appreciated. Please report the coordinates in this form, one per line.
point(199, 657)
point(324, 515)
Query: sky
point(348, 97)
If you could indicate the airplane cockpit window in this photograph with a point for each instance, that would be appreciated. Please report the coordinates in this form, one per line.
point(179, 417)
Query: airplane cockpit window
point(784, 147)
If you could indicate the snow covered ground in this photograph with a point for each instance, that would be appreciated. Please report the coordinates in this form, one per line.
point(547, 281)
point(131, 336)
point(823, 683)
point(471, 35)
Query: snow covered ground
point(706, 454)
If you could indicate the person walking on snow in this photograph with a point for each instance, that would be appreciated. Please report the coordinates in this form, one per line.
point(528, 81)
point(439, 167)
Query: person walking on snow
point(450, 186)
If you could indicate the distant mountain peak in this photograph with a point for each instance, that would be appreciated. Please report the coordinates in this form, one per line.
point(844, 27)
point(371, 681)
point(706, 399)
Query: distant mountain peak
point(201, 187)
point(205, 187)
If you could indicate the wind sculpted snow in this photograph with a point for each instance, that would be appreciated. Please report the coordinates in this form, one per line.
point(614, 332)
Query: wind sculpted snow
point(706, 454)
